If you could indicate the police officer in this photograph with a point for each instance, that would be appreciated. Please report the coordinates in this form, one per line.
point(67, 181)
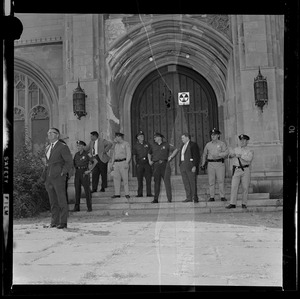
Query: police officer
point(242, 158)
point(140, 153)
point(82, 175)
point(160, 158)
point(214, 153)
point(120, 164)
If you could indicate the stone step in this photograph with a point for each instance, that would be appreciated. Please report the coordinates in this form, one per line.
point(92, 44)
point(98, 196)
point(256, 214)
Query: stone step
point(104, 198)
point(176, 207)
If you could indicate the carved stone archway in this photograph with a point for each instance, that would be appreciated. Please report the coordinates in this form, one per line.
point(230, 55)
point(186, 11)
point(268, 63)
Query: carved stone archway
point(167, 40)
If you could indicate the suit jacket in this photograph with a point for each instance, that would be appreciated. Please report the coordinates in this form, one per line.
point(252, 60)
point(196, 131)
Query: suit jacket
point(192, 154)
point(103, 147)
point(59, 162)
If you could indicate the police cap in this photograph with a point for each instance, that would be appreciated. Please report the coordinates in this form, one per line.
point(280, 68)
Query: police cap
point(157, 134)
point(215, 132)
point(139, 133)
point(119, 134)
point(243, 136)
point(79, 142)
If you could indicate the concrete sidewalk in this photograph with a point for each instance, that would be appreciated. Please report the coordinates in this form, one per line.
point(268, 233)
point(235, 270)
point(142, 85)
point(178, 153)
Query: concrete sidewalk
point(197, 249)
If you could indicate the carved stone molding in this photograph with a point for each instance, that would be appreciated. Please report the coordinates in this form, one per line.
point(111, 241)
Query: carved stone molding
point(18, 113)
point(35, 41)
point(39, 112)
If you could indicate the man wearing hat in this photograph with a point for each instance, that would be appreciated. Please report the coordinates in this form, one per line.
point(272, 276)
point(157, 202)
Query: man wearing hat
point(82, 175)
point(99, 148)
point(140, 153)
point(58, 164)
point(120, 164)
point(242, 157)
point(160, 156)
point(214, 153)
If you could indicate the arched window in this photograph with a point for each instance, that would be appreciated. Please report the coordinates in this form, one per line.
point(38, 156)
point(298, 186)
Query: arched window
point(30, 111)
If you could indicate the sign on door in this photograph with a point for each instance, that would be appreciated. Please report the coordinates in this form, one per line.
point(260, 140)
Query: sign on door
point(183, 98)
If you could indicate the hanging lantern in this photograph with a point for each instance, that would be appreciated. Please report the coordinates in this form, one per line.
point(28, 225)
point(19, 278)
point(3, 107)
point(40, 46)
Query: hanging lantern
point(79, 102)
point(260, 91)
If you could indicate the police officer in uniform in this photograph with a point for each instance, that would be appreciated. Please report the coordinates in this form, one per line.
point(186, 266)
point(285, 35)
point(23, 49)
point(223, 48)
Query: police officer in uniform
point(160, 158)
point(242, 158)
point(120, 164)
point(82, 175)
point(140, 158)
point(214, 153)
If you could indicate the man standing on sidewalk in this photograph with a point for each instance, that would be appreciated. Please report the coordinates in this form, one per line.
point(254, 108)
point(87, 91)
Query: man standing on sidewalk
point(189, 166)
point(120, 165)
point(140, 153)
point(214, 153)
point(242, 158)
point(160, 156)
point(99, 148)
point(58, 163)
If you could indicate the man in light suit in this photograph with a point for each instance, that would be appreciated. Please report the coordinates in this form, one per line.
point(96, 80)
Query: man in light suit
point(99, 148)
point(189, 166)
point(58, 163)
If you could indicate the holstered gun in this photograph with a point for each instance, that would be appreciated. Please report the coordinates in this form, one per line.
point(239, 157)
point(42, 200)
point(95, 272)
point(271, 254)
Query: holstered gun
point(233, 170)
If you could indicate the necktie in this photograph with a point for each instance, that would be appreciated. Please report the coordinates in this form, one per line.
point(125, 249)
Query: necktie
point(93, 149)
point(50, 150)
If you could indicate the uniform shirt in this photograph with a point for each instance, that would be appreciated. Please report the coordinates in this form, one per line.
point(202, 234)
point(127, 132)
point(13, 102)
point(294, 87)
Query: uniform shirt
point(141, 150)
point(82, 160)
point(122, 151)
point(246, 155)
point(161, 151)
point(215, 150)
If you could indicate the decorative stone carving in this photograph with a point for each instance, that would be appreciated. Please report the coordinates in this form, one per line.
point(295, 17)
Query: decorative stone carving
point(18, 113)
point(113, 28)
point(39, 112)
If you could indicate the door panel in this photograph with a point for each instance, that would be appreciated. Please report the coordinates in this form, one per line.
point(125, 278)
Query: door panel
point(155, 107)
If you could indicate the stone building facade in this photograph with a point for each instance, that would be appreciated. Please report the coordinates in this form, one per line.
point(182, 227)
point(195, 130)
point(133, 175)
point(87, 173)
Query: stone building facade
point(132, 68)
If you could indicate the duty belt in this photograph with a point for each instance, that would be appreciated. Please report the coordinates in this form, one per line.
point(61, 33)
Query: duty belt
point(120, 160)
point(218, 160)
point(81, 167)
point(159, 161)
point(241, 167)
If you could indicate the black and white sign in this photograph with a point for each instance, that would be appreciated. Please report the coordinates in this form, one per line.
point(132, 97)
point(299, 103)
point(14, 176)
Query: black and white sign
point(183, 98)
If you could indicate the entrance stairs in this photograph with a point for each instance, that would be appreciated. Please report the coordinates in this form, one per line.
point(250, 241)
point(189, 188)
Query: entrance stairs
point(103, 204)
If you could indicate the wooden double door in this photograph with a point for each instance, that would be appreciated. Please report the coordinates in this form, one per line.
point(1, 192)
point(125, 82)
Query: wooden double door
point(155, 107)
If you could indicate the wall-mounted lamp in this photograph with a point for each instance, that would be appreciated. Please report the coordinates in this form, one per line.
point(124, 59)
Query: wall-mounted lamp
point(79, 101)
point(260, 91)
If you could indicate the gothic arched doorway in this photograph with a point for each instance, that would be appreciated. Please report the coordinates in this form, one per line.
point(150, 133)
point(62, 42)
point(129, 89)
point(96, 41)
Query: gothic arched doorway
point(155, 107)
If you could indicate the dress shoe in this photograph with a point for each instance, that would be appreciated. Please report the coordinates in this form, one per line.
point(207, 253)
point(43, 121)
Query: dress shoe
point(52, 225)
point(127, 196)
point(211, 199)
point(150, 195)
point(139, 195)
point(196, 200)
point(154, 201)
point(93, 191)
point(244, 206)
point(187, 200)
point(89, 210)
point(223, 199)
point(61, 226)
point(231, 206)
point(116, 196)
point(102, 190)
point(76, 210)
point(169, 200)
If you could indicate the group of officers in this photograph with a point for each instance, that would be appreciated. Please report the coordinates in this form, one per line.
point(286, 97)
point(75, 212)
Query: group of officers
point(151, 160)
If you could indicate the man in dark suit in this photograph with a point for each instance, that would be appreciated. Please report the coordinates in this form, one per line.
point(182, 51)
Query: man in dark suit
point(58, 163)
point(99, 148)
point(189, 166)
